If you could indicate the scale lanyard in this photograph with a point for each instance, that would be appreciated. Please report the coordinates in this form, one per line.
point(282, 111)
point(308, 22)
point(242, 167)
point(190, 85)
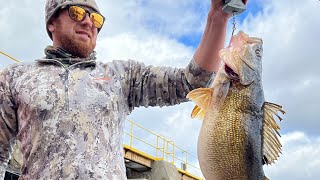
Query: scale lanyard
point(234, 23)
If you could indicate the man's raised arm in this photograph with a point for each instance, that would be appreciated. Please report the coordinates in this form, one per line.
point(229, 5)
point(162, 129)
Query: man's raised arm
point(207, 54)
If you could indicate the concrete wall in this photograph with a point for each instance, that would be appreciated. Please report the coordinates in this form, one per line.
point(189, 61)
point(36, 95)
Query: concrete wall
point(161, 170)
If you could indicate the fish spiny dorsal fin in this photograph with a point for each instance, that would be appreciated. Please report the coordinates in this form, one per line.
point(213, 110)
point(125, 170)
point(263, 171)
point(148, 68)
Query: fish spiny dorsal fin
point(202, 98)
point(271, 144)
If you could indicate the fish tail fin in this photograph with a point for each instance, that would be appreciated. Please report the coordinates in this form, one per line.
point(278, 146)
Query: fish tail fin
point(271, 145)
point(202, 98)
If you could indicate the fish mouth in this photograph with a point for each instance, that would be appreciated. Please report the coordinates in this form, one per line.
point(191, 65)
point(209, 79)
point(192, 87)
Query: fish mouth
point(231, 73)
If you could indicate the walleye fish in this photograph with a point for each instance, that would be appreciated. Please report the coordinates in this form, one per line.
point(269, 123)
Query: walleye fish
point(239, 133)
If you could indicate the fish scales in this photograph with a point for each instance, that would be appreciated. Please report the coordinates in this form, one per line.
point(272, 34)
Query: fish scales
point(239, 132)
point(226, 143)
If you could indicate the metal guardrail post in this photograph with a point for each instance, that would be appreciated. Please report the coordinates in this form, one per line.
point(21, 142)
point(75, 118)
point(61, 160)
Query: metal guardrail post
point(160, 148)
point(187, 163)
point(131, 133)
point(170, 153)
point(173, 155)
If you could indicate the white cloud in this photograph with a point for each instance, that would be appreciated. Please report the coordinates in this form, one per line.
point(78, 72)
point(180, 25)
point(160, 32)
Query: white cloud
point(151, 49)
point(168, 18)
point(299, 159)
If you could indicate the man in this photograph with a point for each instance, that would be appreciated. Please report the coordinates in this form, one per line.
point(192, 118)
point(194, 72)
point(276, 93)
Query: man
point(68, 109)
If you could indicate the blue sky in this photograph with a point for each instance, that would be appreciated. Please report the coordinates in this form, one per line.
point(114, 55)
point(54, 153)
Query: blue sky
point(166, 33)
point(254, 7)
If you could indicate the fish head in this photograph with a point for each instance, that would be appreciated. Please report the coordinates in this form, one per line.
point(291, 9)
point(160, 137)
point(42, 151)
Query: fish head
point(242, 59)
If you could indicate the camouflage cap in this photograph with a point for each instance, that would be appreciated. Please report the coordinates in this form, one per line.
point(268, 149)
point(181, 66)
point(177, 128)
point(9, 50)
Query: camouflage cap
point(52, 6)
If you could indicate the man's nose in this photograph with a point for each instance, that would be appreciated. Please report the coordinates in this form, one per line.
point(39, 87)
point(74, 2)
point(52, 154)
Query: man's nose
point(87, 21)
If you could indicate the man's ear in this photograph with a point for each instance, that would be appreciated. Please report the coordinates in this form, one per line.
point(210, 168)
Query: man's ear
point(52, 26)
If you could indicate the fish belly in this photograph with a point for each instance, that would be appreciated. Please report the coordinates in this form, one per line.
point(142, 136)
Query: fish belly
point(226, 149)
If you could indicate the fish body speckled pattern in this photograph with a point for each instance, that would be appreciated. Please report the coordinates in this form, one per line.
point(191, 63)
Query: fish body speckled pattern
point(70, 119)
point(238, 134)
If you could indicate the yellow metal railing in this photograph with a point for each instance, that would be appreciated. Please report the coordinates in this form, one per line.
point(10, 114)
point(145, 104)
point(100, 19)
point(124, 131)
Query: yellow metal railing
point(160, 148)
point(9, 56)
point(159, 138)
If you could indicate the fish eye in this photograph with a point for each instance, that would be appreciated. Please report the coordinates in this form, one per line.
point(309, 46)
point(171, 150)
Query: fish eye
point(258, 53)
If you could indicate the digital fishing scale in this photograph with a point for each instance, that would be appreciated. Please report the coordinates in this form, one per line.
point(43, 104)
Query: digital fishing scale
point(233, 7)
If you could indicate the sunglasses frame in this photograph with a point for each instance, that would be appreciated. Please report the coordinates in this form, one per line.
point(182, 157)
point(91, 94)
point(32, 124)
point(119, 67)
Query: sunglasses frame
point(87, 12)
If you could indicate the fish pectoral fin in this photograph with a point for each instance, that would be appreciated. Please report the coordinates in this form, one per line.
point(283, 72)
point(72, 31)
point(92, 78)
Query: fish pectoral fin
point(197, 112)
point(271, 144)
point(202, 98)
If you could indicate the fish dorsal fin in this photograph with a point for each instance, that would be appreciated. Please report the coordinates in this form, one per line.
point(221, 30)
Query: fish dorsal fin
point(271, 144)
point(202, 98)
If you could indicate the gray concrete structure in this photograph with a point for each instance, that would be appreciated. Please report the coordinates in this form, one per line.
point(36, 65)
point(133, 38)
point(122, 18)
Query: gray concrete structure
point(160, 170)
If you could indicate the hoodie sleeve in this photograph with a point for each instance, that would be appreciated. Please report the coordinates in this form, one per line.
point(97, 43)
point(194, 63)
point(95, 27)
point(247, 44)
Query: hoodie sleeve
point(8, 124)
point(162, 86)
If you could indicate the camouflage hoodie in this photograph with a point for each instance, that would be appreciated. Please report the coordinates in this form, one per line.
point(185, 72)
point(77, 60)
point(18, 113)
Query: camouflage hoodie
point(69, 113)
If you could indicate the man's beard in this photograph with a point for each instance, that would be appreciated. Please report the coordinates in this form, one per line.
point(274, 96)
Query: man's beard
point(75, 47)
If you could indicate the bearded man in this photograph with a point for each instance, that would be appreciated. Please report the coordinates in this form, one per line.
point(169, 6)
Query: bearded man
point(68, 109)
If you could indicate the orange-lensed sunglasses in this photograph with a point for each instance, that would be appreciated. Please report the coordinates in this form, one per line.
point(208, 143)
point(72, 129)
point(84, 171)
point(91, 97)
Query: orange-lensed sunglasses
point(78, 13)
